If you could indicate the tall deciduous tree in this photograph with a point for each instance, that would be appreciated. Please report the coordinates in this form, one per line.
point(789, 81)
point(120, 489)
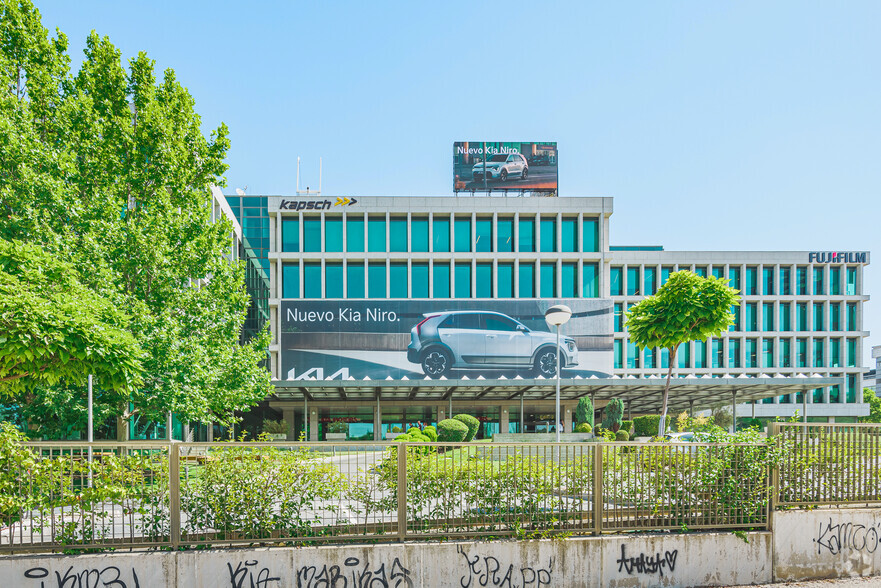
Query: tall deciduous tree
point(686, 308)
point(874, 402)
point(108, 168)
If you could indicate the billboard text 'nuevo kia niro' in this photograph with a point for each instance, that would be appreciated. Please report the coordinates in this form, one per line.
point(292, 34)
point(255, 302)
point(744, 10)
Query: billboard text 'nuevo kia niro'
point(481, 339)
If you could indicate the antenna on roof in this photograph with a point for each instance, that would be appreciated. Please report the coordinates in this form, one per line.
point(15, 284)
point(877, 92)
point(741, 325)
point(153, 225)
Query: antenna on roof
point(307, 190)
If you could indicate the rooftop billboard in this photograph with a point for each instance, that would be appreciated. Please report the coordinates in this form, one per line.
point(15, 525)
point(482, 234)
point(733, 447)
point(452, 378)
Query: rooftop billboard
point(481, 166)
point(452, 339)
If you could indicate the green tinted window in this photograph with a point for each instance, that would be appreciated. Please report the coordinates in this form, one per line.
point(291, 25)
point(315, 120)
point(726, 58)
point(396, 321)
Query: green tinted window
point(801, 281)
point(752, 353)
point(633, 281)
point(684, 356)
point(505, 237)
point(616, 286)
point(717, 353)
point(665, 274)
point(618, 318)
point(568, 280)
point(801, 317)
point(767, 353)
point(735, 312)
point(851, 353)
point(548, 280)
point(619, 353)
point(505, 280)
point(463, 280)
point(419, 235)
point(484, 235)
point(785, 314)
point(650, 276)
point(333, 280)
point(834, 352)
point(419, 273)
point(333, 234)
point(484, 280)
point(819, 323)
point(290, 280)
point(785, 353)
point(768, 316)
point(463, 235)
point(398, 280)
point(835, 316)
point(441, 280)
point(834, 281)
point(818, 281)
point(398, 234)
point(752, 278)
point(590, 283)
point(548, 235)
point(526, 280)
point(749, 317)
point(785, 281)
point(700, 354)
point(851, 316)
point(376, 280)
point(701, 271)
point(290, 235)
point(801, 353)
point(354, 233)
point(819, 356)
point(355, 281)
point(312, 233)
point(376, 234)
point(851, 288)
point(591, 232)
point(718, 271)
point(441, 234)
point(650, 356)
point(632, 356)
point(734, 277)
point(768, 281)
point(312, 280)
point(569, 235)
point(734, 353)
point(526, 235)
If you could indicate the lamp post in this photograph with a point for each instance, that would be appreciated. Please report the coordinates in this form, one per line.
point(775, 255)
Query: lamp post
point(556, 316)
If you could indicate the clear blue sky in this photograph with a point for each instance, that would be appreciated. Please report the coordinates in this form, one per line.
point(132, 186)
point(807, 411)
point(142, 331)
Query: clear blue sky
point(714, 125)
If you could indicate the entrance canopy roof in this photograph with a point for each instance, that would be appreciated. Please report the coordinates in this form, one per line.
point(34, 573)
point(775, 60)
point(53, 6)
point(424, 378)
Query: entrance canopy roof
point(646, 394)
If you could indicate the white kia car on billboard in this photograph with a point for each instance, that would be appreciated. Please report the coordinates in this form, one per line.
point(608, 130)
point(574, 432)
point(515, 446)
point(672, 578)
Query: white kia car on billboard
point(502, 166)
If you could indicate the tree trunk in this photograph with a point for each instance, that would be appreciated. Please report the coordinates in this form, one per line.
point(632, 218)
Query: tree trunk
point(662, 424)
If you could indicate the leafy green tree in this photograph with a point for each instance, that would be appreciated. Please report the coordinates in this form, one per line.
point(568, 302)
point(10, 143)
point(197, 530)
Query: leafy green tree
point(108, 168)
point(874, 402)
point(584, 411)
point(613, 414)
point(686, 308)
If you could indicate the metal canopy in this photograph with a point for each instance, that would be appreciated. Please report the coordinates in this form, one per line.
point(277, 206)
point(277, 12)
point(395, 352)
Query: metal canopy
point(646, 394)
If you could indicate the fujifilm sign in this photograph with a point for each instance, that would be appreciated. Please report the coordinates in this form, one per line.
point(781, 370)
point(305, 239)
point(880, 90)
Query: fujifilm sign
point(837, 257)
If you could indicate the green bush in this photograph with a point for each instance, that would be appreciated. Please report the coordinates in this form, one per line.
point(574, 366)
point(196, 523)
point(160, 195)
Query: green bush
point(413, 430)
point(622, 435)
point(451, 431)
point(584, 411)
point(469, 421)
point(646, 426)
point(403, 437)
point(397, 429)
point(275, 427)
point(430, 432)
point(583, 428)
point(627, 426)
point(612, 414)
point(338, 427)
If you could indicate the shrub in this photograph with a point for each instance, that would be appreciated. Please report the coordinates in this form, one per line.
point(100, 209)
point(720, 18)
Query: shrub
point(622, 435)
point(397, 429)
point(584, 411)
point(430, 432)
point(403, 437)
point(646, 426)
point(583, 428)
point(469, 421)
point(413, 430)
point(612, 414)
point(275, 427)
point(627, 426)
point(338, 427)
point(451, 431)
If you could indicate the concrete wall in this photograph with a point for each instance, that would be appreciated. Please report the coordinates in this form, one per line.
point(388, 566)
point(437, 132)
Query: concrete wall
point(827, 543)
point(702, 559)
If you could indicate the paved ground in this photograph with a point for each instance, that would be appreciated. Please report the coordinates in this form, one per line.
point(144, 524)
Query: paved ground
point(872, 582)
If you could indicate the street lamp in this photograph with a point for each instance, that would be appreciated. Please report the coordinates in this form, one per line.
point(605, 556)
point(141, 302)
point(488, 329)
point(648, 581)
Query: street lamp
point(556, 316)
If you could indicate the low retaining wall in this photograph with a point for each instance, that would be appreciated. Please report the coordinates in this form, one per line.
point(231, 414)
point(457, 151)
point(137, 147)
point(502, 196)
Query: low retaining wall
point(700, 559)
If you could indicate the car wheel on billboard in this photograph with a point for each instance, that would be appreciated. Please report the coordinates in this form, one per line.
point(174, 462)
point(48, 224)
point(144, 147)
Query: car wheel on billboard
point(436, 363)
point(525, 173)
point(546, 362)
point(503, 175)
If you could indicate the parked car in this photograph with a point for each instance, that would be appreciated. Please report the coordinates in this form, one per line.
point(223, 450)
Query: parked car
point(501, 166)
point(485, 340)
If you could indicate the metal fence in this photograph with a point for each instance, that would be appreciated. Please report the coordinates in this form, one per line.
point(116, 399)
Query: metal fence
point(828, 464)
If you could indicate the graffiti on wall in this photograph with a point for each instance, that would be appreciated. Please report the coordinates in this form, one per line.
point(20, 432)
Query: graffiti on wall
point(835, 537)
point(647, 564)
point(489, 571)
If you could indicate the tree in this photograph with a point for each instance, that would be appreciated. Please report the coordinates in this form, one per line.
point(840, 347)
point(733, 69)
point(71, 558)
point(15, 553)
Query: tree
point(686, 308)
point(584, 411)
point(613, 414)
point(109, 169)
point(874, 402)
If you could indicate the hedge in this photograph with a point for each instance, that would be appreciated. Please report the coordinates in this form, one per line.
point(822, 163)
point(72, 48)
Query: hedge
point(646, 426)
point(582, 428)
point(430, 432)
point(622, 435)
point(469, 421)
point(451, 431)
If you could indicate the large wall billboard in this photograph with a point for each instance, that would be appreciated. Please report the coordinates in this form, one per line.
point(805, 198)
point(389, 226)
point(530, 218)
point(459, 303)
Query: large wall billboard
point(480, 166)
point(417, 339)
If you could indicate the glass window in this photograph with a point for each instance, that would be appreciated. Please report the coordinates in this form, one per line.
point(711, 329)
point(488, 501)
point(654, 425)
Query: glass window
point(376, 233)
point(526, 280)
point(616, 287)
point(819, 323)
point(835, 353)
point(548, 280)
point(312, 233)
point(590, 283)
point(819, 359)
point(398, 280)
point(290, 280)
point(526, 234)
point(835, 281)
point(355, 281)
point(312, 280)
point(768, 316)
point(801, 281)
point(633, 281)
point(333, 280)
point(752, 278)
point(801, 353)
point(650, 357)
point(376, 280)
point(717, 351)
point(419, 234)
point(484, 280)
point(505, 236)
point(618, 320)
point(835, 394)
point(735, 325)
point(333, 234)
point(801, 316)
point(785, 316)
point(700, 354)
point(684, 356)
point(484, 229)
point(851, 288)
point(441, 235)
point(650, 276)
point(785, 353)
point(505, 280)
point(785, 281)
point(591, 232)
point(851, 316)
point(498, 323)
point(751, 316)
point(734, 277)
point(701, 271)
point(851, 353)
point(463, 235)
point(419, 273)
point(768, 281)
point(290, 235)
point(569, 235)
point(818, 396)
point(818, 281)
point(548, 235)
point(835, 316)
point(398, 233)
point(619, 353)
point(632, 356)
point(767, 353)
point(665, 274)
point(718, 271)
point(568, 280)
point(665, 358)
point(463, 279)
point(851, 388)
point(354, 233)
point(752, 353)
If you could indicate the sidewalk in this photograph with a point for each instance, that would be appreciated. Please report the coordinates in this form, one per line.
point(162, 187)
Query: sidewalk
point(870, 582)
